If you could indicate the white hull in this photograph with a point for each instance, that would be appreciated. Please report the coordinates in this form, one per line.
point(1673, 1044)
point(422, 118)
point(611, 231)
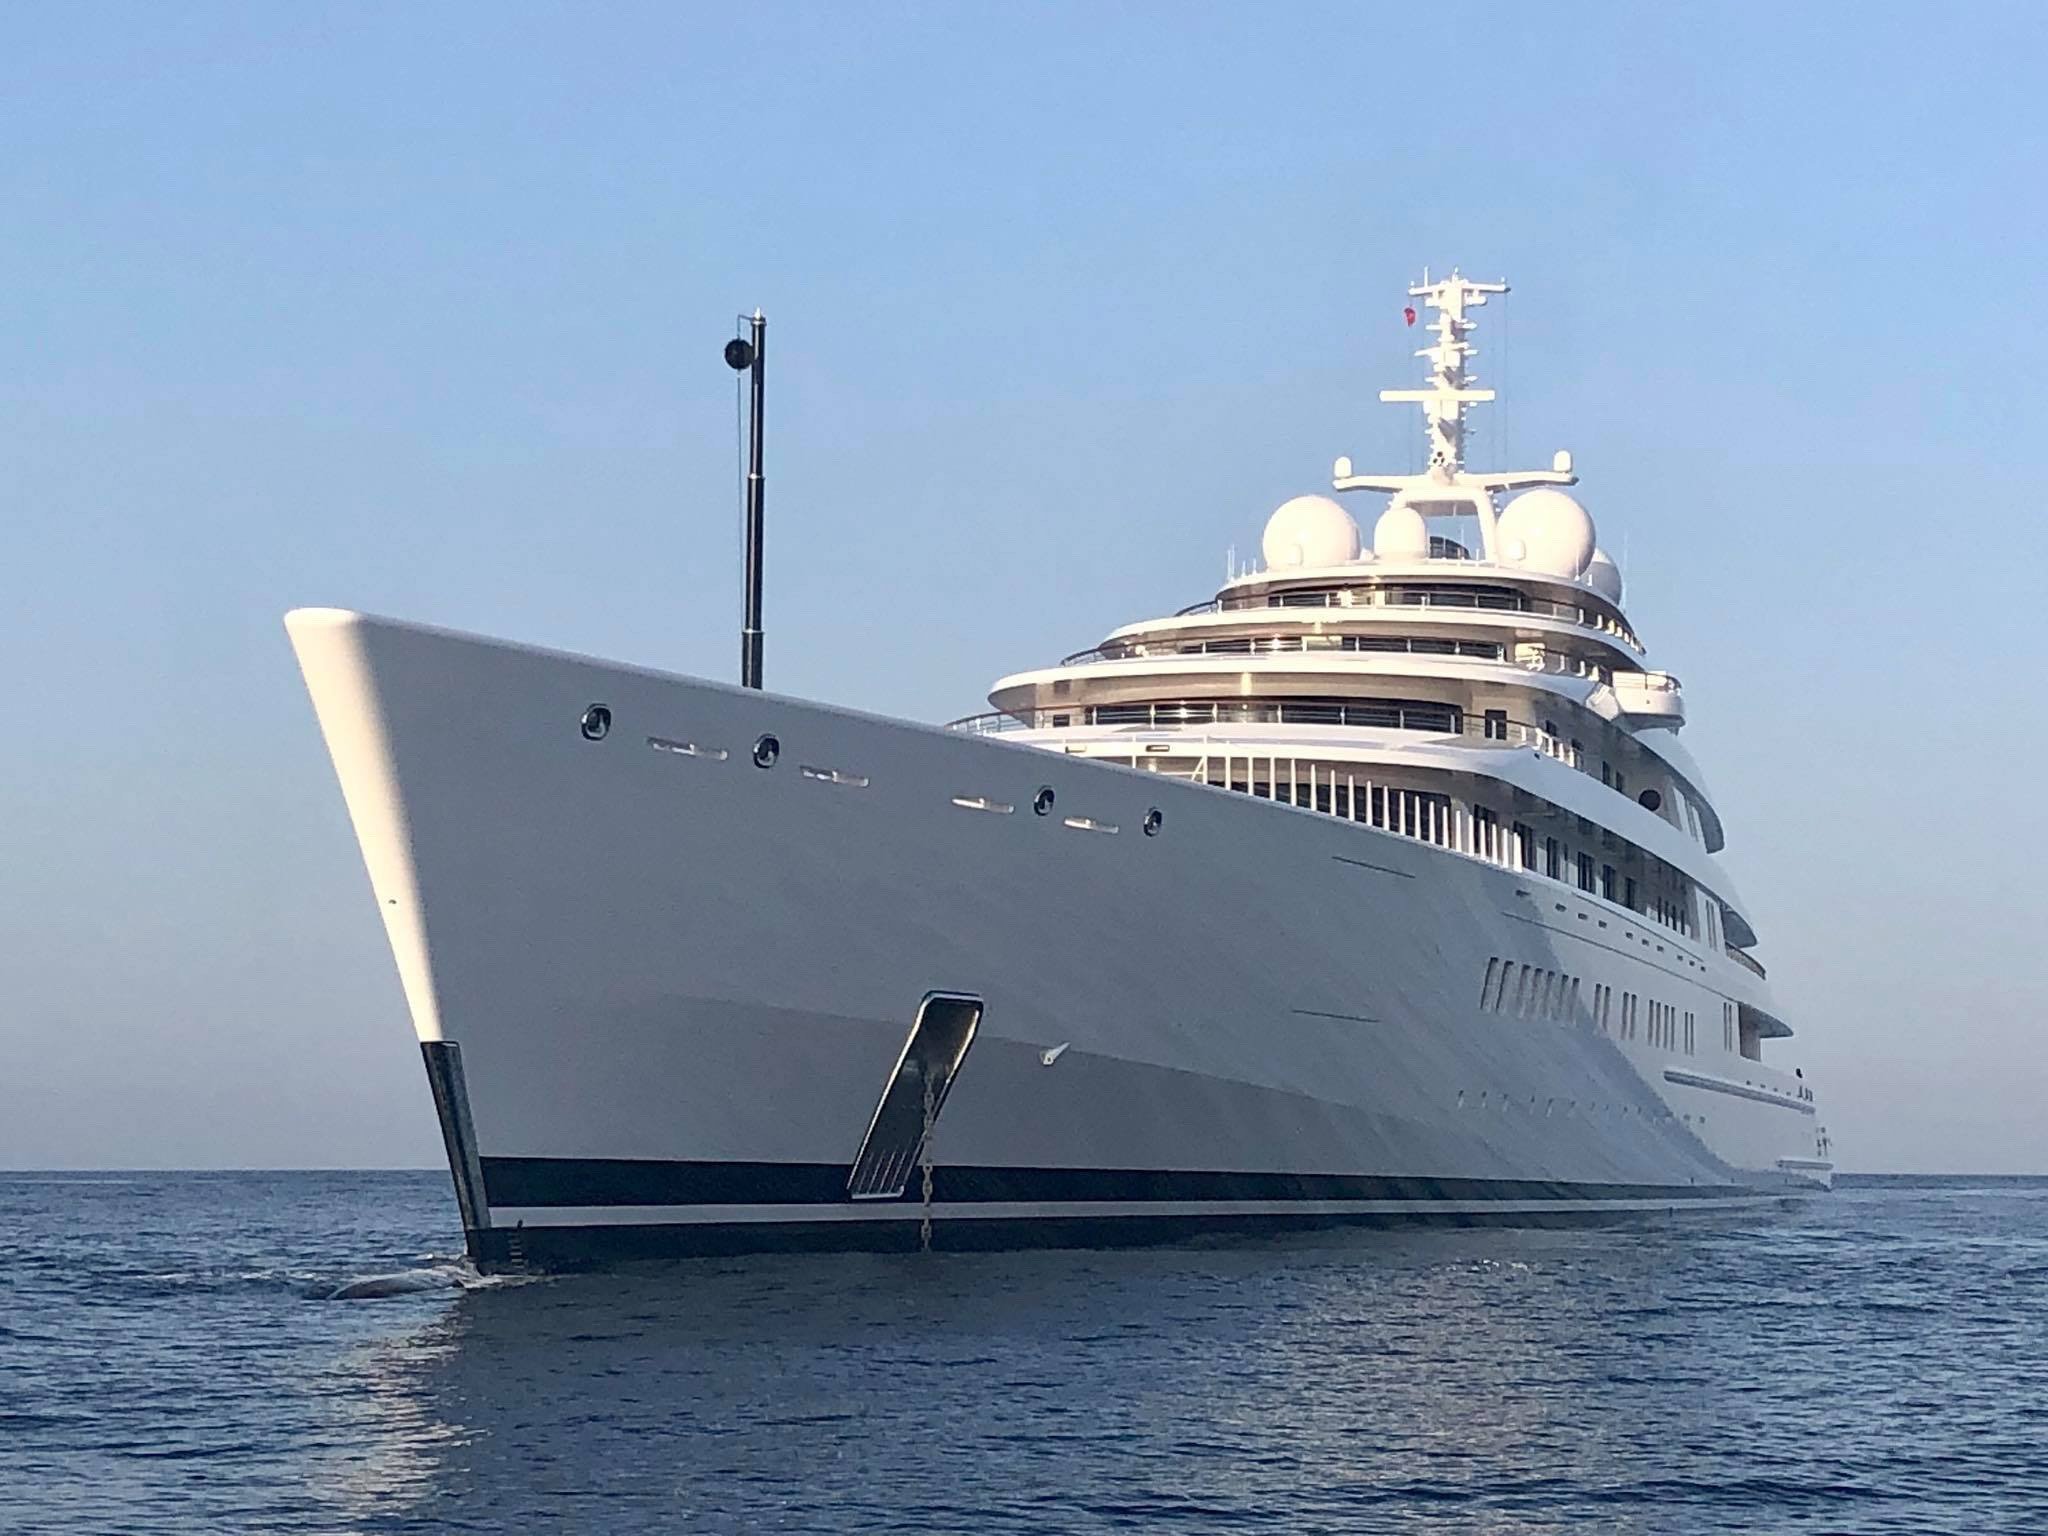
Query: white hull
point(679, 983)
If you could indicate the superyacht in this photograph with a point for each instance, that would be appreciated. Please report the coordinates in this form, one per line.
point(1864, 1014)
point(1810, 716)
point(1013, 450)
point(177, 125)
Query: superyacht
point(1377, 888)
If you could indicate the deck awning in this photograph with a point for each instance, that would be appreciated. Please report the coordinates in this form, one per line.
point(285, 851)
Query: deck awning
point(1765, 1026)
point(1737, 928)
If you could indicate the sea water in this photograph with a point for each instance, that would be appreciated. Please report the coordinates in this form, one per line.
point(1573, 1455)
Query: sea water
point(307, 1352)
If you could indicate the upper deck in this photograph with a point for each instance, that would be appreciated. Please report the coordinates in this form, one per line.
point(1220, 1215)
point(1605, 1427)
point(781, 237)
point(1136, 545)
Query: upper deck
point(1470, 643)
point(1435, 584)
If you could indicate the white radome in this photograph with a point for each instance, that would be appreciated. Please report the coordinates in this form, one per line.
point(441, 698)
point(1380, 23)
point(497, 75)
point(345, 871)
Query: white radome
point(1603, 576)
point(1547, 531)
point(1401, 534)
point(1309, 531)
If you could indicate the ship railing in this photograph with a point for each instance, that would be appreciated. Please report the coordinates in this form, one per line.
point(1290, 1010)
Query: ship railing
point(1424, 597)
point(1286, 645)
point(993, 723)
point(1745, 960)
point(1121, 650)
point(1646, 682)
point(1292, 645)
point(1444, 720)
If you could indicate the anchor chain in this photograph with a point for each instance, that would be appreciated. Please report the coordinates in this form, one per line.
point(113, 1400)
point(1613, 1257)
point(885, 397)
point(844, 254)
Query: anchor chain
point(924, 1158)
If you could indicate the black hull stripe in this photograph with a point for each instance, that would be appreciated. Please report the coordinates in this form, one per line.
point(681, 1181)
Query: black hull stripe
point(529, 1182)
point(503, 1249)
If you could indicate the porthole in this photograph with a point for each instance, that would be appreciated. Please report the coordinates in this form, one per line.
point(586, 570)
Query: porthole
point(1154, 819)
point(766, 750)
point(597, 722)
point(1650, 800)
point(1042, 801)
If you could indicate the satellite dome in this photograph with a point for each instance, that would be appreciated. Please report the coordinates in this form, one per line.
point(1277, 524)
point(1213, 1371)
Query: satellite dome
point(1603, 576)
point(1401, 534)
point(1547, 531)
point(1310, 531)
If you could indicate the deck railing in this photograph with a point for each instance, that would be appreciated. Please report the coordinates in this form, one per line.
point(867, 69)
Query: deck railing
point(1287, 645)
point(992, 723)
point(1179, 717)
point(1743, 959)
point(1408, 597)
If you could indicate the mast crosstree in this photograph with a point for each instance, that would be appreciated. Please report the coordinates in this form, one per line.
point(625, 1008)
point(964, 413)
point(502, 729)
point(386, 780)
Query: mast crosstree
point(1450, 385)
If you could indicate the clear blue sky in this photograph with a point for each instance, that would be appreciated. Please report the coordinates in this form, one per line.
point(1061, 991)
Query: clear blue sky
point(418, 310)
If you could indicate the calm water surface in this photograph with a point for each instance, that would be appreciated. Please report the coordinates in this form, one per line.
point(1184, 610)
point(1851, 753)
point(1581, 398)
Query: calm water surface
point(301, 1352)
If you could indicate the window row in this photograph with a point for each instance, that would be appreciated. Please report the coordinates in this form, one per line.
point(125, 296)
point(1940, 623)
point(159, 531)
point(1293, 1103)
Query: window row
point(1662, 893)
point(1588, 872)
point(1528, 991)
point(1658, 1024)
point(1274, 645)
point(1430, 715)
point(1388, 714)
point(1411, 812)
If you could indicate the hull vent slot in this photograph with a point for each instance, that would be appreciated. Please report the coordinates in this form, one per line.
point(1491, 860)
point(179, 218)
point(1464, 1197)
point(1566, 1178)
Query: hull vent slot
point(913, 1095)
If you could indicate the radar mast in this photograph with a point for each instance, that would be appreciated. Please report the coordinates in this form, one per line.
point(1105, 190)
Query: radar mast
point(1446, 488)
point(1450, 386)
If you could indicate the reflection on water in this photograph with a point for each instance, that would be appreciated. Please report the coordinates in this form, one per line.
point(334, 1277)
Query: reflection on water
point(1659, 1379)
point(1866, 1363)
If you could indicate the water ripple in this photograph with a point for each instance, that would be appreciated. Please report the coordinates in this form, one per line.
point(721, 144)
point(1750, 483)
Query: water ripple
point(1868, 1363)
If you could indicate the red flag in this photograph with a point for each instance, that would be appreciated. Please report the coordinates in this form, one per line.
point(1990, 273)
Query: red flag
point(1408, 314)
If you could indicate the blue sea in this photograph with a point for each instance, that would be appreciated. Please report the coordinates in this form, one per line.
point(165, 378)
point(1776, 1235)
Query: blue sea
point(307, 1352)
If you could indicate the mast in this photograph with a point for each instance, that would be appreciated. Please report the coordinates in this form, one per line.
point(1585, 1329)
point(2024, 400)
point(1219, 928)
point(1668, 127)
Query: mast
point(1450, 387)
point(1447, 488)
point(752, 357)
